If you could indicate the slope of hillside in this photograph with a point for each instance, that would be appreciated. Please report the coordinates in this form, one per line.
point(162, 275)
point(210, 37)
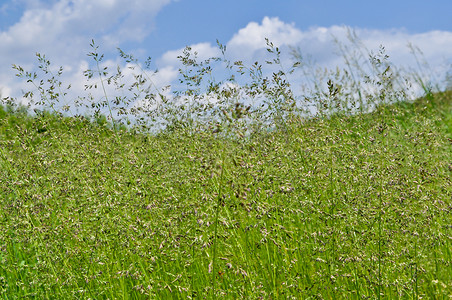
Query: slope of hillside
point(346, 207)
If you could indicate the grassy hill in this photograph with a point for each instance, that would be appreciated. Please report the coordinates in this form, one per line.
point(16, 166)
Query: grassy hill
point(346, 207)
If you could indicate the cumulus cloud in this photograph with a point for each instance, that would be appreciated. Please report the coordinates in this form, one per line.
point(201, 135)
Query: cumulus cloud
point(320, 42)
point(325, 47)
point(252, 37)
point(63, 29)
point(203, 51)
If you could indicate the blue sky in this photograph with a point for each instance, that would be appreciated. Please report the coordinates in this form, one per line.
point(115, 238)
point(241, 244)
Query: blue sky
point(193, 21)
point(62, 29)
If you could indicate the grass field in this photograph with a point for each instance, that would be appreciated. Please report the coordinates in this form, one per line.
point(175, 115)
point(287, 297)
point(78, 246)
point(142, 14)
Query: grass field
point(355, 207)
point(227, 199)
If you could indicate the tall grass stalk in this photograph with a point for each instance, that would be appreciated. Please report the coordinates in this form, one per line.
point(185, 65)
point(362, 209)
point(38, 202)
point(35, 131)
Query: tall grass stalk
point(380, 209)
point(218, 206)
point(98, 58)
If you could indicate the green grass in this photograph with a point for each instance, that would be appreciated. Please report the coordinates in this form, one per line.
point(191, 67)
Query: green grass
point(345, 207)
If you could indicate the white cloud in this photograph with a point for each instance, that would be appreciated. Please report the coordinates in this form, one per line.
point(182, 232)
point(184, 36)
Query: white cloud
point(321, 44)
point(252, 37)
point(68, 25)
point(5, 90)
point(203, 51)
point(63, 29)
point(318, 42)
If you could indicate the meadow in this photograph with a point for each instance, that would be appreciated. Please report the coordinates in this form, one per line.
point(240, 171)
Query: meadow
point(238, 202)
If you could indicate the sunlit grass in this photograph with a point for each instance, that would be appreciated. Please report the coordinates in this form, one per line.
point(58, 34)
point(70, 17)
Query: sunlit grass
point(230, 201)
point(347, 207)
